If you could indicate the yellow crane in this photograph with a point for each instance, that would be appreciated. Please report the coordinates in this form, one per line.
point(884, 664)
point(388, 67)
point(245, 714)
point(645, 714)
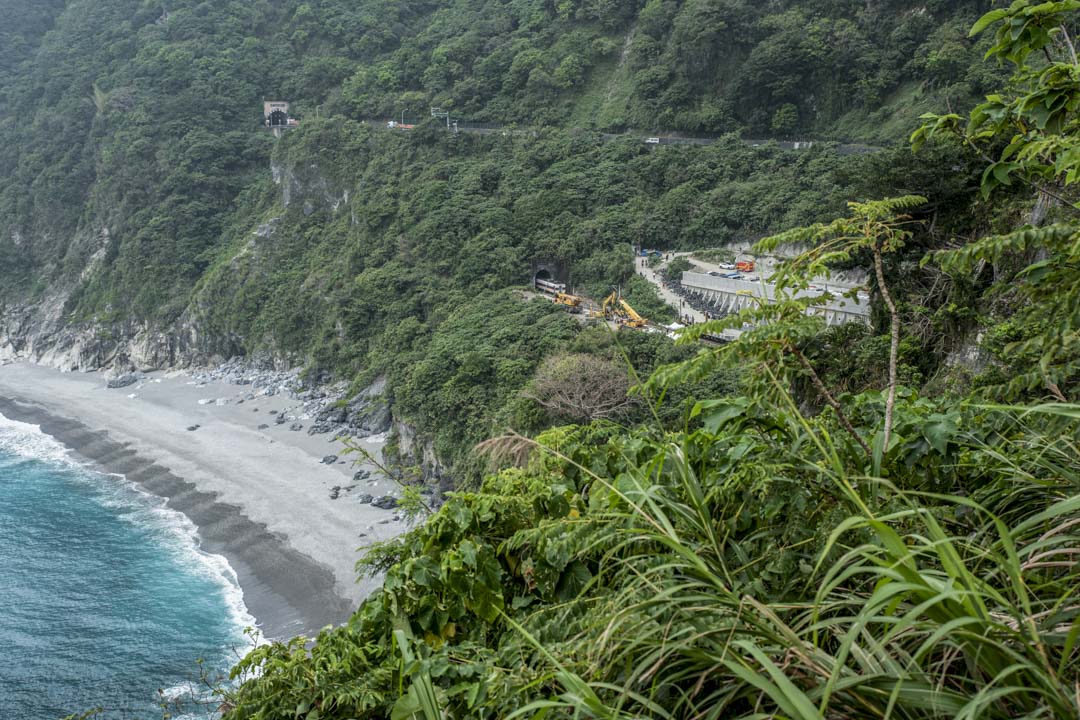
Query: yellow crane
point(567, 299)
point(617, 309)
point(635, 320)
point(572, 302)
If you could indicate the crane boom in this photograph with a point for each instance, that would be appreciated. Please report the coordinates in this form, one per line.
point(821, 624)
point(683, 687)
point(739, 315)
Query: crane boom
point(635, 320)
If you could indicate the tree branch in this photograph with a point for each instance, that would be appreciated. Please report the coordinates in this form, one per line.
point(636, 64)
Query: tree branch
point(828, 398)
point(894, 344)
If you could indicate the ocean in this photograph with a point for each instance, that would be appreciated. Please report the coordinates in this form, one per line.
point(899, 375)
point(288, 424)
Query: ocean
point(106, 599)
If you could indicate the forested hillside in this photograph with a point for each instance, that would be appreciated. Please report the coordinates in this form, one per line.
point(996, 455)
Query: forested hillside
point(147, 218)
point(807, 545)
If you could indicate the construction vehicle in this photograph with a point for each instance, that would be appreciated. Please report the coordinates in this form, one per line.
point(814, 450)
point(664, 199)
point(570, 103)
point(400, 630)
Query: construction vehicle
point(572, 302)
point(745, 266)
point(632, 319)
point(618, 310)
point(607, 308)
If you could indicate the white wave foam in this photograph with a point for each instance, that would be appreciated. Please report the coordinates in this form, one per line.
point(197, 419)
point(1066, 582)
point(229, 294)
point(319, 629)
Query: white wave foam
point(29, 442)
point(183, 696)
point(180, 537)
point(176, 533)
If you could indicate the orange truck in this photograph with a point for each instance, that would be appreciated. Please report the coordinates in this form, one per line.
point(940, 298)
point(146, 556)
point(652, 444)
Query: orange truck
point(745, 266)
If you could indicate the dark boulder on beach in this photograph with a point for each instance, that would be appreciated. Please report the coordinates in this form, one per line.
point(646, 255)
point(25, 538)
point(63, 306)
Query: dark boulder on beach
point(193, 428)
point(361, 475)
point(386, 502)
point(320, 427)
point(333, 414)
point(364, 499)
point(280, 420)
point(329, 460)
point(122, 381)
point(264, 426)
point(296, 427)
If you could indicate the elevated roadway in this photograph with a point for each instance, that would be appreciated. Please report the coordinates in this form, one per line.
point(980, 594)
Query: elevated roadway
point(727, 296)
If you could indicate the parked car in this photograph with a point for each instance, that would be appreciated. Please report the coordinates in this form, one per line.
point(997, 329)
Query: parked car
point(727, 266)
point(752, 278)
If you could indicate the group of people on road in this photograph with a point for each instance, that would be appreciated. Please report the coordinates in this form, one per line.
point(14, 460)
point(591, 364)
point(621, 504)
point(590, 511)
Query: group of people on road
point(688, 303)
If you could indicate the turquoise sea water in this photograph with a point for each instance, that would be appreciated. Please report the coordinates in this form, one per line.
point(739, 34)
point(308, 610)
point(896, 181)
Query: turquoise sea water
point(105, 598)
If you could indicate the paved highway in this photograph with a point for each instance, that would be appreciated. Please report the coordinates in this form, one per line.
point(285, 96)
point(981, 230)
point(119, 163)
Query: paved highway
point(657, 138)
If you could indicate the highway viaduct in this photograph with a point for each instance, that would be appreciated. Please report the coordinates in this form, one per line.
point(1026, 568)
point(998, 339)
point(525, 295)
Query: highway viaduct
point(727, 296)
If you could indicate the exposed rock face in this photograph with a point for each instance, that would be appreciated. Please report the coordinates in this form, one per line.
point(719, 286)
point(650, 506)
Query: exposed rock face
point(41, 333)
point(307, 185)
point(368, 413)
point(417, 451)
point(970, 356)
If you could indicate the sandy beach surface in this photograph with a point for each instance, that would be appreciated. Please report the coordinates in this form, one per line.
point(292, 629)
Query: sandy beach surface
point(260, 497)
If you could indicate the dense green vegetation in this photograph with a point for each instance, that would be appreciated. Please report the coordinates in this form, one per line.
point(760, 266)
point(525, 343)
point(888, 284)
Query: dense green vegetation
point(891, 555)
point(137, 189)
point(810, 522)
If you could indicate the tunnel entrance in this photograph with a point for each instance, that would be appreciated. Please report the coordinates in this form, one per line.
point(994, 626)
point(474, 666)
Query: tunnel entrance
point(278, 118)
point(549, 271)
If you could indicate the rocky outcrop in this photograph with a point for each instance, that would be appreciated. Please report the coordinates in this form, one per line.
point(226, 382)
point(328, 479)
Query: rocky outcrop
point(969, 356)
point(413, 450)
point(306, 185)
point(369, 412)
point(43, 334)
point(366, 414)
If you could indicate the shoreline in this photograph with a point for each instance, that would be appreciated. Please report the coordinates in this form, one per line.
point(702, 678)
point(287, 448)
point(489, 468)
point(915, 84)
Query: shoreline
point(250, 515)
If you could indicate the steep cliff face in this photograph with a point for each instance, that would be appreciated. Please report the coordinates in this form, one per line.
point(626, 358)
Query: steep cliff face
point(41, 333)
point(44, 329)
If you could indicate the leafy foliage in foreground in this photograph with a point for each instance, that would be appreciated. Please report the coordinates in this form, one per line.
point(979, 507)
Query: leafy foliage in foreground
point(749, 566)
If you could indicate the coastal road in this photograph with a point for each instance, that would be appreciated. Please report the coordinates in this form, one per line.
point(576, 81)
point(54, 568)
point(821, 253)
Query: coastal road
point(680, 305)
point(657, 138)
